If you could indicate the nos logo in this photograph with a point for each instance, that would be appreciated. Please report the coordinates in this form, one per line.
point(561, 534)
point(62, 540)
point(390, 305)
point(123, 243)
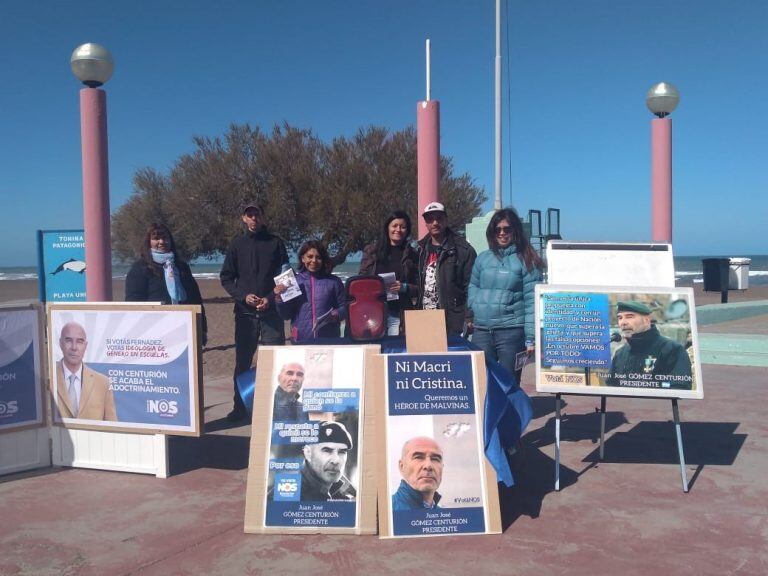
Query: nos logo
point(165, 408)
point(9, 408)
point(288, 488)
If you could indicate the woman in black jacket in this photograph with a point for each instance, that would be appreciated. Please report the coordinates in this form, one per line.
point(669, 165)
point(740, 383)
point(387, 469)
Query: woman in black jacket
point(161, 276)
point(393, 253)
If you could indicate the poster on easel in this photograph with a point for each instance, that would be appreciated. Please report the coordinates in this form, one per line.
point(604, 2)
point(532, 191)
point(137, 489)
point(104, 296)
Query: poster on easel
point(22, 403)
point(311, 468)
point(126, 368)
point(435, 479)
point(617, 341)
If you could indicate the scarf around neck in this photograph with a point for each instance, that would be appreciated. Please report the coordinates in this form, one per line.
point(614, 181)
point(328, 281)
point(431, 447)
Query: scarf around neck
point(171, 273)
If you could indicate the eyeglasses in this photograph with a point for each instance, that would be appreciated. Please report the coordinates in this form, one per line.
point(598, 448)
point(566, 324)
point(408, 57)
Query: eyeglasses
point(503, 230)
point(432, 217)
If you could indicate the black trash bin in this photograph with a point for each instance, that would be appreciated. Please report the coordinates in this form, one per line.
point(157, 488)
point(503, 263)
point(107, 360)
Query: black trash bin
point(716, 274)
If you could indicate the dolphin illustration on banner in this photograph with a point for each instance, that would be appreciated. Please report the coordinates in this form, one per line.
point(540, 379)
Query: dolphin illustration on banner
point(72, 265)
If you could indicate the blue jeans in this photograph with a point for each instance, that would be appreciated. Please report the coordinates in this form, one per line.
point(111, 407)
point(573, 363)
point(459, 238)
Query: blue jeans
point(393, 324)
point(501, 345)
point(249, 331)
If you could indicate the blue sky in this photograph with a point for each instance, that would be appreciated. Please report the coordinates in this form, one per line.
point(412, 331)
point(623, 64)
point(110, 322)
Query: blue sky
point(578, 134)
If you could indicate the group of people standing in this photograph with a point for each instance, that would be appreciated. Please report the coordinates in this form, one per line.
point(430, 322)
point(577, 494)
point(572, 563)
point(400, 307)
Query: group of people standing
point(490, 296)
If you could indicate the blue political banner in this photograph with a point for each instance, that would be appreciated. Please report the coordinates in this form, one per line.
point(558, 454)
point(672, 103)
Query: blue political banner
point(617, 341)
point(315, 434)
point(20, 386)
point(430, 384)
point(439, 521)
point(310, 514)
point(61, 265)
point(150, 394)
point(436, 474)
point(125, 368)
point(287, 432)
point(575, 330)
point(331, 400)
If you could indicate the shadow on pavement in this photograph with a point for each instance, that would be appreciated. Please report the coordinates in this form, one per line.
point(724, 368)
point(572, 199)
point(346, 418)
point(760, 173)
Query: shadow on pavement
point(704, 443)
point(224, 424)
point(534, 470)
point(33, 473)
point(545, 405)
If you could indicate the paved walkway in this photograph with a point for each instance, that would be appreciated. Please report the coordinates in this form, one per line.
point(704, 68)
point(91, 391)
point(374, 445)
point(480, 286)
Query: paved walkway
point(625, 515)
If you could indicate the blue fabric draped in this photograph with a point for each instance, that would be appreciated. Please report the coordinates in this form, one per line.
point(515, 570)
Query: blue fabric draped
point(508, 409)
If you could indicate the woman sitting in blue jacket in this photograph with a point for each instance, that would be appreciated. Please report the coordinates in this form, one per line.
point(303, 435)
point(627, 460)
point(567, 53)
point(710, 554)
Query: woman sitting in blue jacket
point(318, 312)
point(501, 291)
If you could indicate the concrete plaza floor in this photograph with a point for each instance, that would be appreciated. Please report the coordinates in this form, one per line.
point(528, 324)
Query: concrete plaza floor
point(626, 514)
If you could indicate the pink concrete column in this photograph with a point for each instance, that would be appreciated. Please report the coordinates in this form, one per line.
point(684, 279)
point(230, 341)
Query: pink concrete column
point(661, 180)
point(428, 156)
point(98, 250)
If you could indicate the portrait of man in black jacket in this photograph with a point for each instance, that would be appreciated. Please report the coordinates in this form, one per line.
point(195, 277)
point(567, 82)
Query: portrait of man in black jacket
point(286, 405)
point(250, 265)
point(323, 474)
point(647, 359)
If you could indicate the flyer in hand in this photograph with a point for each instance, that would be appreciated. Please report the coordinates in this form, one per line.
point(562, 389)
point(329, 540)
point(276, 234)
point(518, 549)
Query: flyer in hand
point(288, 279)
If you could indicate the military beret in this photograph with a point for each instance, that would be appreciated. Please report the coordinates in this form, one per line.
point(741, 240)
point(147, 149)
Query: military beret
point(334, 432)
point(632, 306)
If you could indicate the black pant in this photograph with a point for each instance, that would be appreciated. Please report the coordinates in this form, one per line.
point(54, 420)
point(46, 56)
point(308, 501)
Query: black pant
point(249, 332)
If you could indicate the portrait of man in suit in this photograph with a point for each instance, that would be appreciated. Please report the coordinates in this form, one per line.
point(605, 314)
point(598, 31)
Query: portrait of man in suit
point(81, 392)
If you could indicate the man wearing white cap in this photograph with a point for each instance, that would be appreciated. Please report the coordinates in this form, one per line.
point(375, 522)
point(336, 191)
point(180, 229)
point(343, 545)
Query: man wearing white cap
point(445, 267)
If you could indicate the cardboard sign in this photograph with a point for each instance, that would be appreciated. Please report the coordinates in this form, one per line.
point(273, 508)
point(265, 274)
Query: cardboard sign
point(435, 479)
point(617, 341)
point(21, 384)
point(131, 368)
point(311, 467)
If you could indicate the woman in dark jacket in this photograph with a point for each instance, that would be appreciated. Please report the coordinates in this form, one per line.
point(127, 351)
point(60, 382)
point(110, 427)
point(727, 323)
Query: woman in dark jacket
point(501, 291)
point(393, 253)
point(161, 276)
point(322, 305)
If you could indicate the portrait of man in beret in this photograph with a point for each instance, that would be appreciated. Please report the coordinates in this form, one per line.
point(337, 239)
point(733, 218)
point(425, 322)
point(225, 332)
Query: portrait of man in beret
point(325, 461)
point(647, 358)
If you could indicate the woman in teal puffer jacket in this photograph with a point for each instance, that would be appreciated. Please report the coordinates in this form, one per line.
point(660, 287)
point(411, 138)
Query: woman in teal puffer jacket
point(501, 291)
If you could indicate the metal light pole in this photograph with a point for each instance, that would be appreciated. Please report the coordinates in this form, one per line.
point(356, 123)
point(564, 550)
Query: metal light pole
point(497, 112)
point(93, 66)
point(427, 151)
point(661, 99)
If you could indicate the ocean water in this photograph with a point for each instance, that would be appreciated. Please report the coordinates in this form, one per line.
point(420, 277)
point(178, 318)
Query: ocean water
point(688, 270)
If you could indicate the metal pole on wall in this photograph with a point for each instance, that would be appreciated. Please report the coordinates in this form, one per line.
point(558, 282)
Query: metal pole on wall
point(93, 66)
point(661, 99)
point(427, 150)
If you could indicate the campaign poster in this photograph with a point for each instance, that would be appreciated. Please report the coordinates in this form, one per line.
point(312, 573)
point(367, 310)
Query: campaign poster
point(312, 471)
point(61, 265)
point(125, 367)
point(21, 398)
point(617, 341)
point(436, 480)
